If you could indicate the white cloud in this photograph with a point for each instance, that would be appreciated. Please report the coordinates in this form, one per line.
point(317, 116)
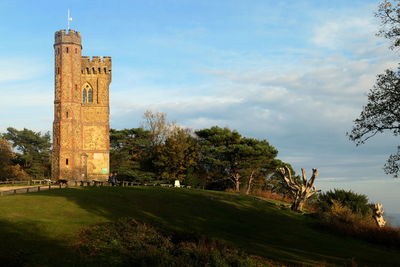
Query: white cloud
point(342, 31)
point(26, 94)
point(201, 123)
point(20, 69)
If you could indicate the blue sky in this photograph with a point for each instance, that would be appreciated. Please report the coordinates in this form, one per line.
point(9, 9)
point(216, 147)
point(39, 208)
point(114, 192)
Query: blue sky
point(293, 72)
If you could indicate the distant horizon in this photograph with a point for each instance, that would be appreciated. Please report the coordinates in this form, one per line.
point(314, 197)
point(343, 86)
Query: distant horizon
point(293, 73)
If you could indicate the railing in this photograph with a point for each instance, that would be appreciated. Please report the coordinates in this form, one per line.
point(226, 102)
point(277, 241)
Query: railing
point(14, 182)
point(120, 183)
point(50, 186)
point(28, 182)
point(29, 189)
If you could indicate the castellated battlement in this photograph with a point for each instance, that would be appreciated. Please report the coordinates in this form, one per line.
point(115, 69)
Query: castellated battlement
point(96, 65)
point(67, 37)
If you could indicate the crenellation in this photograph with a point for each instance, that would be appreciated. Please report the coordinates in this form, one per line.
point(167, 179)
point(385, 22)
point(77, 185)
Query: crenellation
point(96, 59)
point(96, 65)
point(67, 37)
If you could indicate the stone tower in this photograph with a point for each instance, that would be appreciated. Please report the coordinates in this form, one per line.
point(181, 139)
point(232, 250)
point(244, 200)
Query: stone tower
point(81, 111)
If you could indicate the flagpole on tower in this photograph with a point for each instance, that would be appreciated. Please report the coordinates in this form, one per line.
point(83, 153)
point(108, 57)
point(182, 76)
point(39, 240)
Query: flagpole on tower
point(69, 20)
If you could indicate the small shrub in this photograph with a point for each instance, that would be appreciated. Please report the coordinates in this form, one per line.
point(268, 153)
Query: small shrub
point(343, 220)
point(357, 203)
point(126, 242)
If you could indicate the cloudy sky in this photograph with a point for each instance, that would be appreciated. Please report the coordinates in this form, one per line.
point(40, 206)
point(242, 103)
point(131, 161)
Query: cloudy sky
point(293, 72)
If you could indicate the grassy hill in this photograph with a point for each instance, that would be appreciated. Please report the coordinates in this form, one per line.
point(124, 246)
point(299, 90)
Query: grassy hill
point(39, 228)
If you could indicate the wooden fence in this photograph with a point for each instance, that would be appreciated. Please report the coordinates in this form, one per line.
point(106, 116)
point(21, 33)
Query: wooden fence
point(27, 182)
point(29, 189)
point(75, 184)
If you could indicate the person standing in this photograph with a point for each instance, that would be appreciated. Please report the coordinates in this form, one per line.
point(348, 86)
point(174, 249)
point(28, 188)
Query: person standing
point(111, 179)
point(115, 179)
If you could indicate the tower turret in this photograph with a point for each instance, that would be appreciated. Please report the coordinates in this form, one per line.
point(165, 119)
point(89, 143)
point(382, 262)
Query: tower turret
point(81, 111)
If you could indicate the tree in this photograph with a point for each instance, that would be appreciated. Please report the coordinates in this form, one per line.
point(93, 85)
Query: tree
point(389, 14)
point(256, 159)
point(227, 156)
point(158, 126)
point(6, 154)
point(177, 155)
point(274, 181)
point(300, 191)
point(129, 155)
point(162, 150)
point(382, 112)
point(216, 156)
point(7, 169)
point(170, 152)
point(33, 150)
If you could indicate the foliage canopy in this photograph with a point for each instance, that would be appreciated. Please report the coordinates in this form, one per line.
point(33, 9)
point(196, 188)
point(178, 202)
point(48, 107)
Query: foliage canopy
point(33, 150)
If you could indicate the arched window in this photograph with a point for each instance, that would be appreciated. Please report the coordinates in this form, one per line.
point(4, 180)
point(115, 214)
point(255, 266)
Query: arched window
point(84, 96)
point(90, 95)
point(87, 94)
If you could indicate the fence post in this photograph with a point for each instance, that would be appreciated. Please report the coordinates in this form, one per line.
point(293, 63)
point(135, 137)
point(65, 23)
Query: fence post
point(38, 188)
point(59, 185)
point(27, 189)
point(15, 191)
point(49, 186)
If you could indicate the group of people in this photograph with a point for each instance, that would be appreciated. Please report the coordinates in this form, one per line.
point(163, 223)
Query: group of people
point(112, 179)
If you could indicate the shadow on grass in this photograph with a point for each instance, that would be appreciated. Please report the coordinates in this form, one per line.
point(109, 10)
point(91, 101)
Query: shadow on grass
point(259, 227)
point(25, 244)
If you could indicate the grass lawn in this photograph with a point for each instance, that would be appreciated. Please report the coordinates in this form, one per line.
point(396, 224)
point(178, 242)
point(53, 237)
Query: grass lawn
point(39, 228)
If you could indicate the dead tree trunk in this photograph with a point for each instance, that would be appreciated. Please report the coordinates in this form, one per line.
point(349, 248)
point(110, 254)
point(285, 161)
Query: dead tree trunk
point(300, 190)
point(378, 215)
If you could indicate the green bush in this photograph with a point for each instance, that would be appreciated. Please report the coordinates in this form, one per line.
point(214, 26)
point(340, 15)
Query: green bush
point(126, 242)
point(343, 220)
point(357, 203)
